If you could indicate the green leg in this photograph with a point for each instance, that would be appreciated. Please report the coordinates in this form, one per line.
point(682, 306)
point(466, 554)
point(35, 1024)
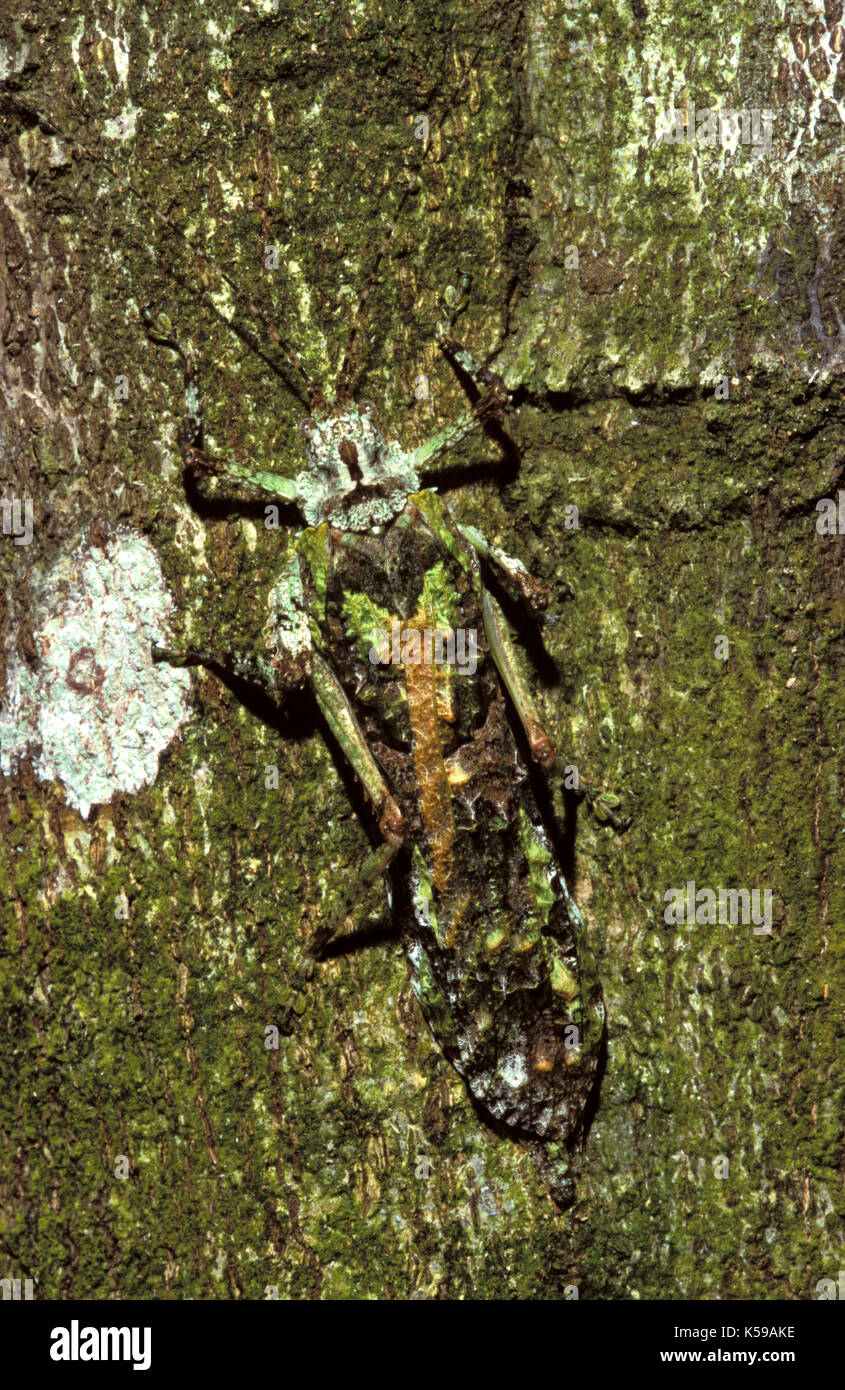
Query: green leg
point(194, 455)
point(515, 578)
point(445, 439)
point(490, 405)
point(340, 717)
point(504, 655)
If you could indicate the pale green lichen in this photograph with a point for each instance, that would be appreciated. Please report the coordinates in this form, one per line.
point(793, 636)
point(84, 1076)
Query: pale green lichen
point(94, 711)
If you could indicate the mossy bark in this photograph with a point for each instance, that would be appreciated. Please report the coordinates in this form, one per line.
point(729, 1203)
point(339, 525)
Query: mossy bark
point(667, 315)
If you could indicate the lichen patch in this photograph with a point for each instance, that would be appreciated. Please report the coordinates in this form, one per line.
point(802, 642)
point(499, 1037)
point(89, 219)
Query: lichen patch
point(94, 712)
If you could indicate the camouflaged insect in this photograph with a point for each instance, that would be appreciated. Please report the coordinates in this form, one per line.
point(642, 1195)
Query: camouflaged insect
point(382, 580)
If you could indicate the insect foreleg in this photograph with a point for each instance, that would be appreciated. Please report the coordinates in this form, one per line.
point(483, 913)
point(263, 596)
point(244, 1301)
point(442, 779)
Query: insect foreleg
point(453, 303)
point(445, 439)
point(495, 396)
point(254, 479)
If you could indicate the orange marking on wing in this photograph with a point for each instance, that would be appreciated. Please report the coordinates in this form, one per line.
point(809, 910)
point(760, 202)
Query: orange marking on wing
point(457, 911)
point(435, 796)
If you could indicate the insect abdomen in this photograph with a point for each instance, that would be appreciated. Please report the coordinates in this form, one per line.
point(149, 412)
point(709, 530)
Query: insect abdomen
point(487, 923)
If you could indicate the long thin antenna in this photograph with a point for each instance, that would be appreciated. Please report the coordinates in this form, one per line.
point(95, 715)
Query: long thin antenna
point(345, 387)
point(34, 117)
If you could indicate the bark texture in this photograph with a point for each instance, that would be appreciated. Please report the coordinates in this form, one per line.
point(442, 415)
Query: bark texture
point(669, 316)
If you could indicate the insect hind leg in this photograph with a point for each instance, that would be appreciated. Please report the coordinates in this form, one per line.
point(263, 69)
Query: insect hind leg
point(344, 725)
point(543, 749)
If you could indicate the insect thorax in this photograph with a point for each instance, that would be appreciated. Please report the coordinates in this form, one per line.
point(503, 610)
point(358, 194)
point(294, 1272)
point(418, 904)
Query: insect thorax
point(355, 479)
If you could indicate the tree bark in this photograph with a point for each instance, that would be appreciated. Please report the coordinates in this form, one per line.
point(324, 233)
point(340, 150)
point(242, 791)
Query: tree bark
point(666, 311)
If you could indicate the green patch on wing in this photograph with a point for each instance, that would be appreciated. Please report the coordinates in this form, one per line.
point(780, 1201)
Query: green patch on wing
point(312, 545)
point(371, 626)
point(439, 600)
point(539, 858)
point(367, 622)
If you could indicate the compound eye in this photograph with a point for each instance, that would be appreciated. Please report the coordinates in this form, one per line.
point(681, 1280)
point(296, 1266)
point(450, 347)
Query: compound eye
point(307, 427)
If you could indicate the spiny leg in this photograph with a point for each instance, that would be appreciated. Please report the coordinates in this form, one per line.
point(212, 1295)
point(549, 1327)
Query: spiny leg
point(341, 719)
point(191, 441)
point(516, 578)
point(489, 406)
point(451, 306)
point(517, 581)
point(445, 439)
point(504, 655)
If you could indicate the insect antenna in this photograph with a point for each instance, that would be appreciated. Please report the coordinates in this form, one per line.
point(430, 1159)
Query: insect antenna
point(294, 376)
point(346, 386)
